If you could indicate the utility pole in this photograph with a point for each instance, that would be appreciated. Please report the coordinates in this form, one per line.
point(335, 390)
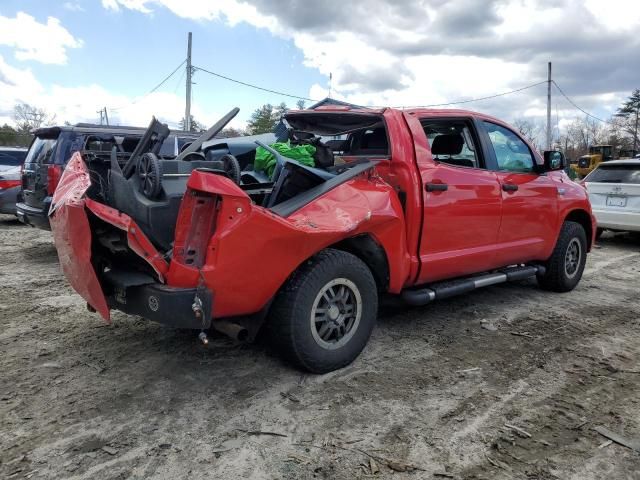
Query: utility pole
point(549, 109)
point(187, 110)
point(635, 133)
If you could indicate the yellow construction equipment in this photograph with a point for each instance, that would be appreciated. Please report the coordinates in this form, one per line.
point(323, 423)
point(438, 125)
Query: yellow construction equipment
point(597, 154)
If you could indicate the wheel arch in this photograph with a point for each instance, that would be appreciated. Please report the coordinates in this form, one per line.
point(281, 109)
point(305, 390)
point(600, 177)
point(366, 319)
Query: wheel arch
point(583, 218)
point(372, 253)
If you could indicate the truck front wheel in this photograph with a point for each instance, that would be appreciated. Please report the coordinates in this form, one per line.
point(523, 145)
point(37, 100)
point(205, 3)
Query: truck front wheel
point(323, 316)
point(564, 268)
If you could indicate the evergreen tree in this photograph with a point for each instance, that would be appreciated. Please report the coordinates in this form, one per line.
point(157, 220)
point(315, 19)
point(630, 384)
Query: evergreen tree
point(630, 110)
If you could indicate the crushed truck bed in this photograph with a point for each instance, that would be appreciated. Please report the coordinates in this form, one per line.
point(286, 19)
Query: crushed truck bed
point(434, 390)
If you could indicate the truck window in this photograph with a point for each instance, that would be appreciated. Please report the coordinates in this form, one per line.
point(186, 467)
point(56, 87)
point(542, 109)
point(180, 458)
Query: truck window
point(512, 154)
point(452, 142)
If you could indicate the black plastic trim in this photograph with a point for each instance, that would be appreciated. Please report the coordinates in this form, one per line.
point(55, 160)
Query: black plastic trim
point(450, 288)
point(436, 187)
point(290, 206)
point(520, 273)
point(173, 306)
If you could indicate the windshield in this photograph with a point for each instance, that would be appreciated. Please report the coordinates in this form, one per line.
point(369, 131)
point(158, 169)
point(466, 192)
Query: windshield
point(615, 174)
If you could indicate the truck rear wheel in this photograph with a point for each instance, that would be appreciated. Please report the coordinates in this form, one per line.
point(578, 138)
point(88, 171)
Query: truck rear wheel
point(566, 264)
point(323, 316)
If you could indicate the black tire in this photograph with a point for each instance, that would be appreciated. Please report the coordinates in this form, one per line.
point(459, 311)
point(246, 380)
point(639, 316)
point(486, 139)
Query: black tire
point(599, 232)
point(564, 269)
point(150, 173)
point(290, 326)
point(232, 167)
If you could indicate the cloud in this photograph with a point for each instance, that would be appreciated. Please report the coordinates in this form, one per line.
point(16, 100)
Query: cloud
point(81, 103)
point(409, 52)
point(42, 42)
point(73, 6)
point(138, 5)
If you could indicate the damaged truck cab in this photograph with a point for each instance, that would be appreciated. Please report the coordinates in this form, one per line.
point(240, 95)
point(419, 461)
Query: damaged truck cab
point(421, 204)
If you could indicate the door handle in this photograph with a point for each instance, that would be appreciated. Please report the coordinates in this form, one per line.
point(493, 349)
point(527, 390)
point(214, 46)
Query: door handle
point(509, 187)
point(436, 187)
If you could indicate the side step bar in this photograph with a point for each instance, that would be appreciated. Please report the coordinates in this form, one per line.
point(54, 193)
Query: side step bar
point(436, 291)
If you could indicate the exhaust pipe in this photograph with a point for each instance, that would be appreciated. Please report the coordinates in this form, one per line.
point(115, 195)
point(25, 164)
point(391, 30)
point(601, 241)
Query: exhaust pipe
point(233, 330)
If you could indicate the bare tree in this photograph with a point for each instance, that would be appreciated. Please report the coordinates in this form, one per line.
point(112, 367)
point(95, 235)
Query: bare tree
point(581, 134)
point(530, 130)
point(28, 117)
point(231, 132)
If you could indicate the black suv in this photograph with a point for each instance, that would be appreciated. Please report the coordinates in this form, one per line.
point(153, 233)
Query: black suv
point(52, 148)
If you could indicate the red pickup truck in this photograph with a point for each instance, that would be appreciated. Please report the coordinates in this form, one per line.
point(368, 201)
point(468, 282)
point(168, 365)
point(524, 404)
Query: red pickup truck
point(420, 204)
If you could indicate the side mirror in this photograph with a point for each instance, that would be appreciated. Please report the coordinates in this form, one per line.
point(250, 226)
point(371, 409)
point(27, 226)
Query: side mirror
point(553, 161)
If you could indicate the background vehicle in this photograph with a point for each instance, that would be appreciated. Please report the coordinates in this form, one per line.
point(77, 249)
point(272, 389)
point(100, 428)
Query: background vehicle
point(614, 191)
point(597, 154)
point(11, 160)
point(52, 148)
point(9, 188)
point(12, 157)
point(423, 204)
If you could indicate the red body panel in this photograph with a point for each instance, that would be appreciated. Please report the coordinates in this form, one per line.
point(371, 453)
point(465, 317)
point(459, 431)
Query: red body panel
point(72, 234)
point(529, 218)
point(252, 250)
point(461, 225)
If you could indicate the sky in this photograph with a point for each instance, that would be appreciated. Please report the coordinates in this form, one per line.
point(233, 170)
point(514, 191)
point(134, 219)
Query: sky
point(74, 57)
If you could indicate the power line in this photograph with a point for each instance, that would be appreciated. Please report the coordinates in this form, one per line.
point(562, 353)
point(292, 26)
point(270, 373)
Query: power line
point(165, 78)
point(180, 79)
point(252, 85)
point(460, 102)
point(576, 106)
point(153, 89)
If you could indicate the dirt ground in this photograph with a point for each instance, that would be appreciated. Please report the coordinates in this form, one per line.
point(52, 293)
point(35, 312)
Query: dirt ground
point(507, 382)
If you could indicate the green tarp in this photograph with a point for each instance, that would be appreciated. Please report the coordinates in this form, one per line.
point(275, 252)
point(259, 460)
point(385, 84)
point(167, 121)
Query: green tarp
point(266, 161)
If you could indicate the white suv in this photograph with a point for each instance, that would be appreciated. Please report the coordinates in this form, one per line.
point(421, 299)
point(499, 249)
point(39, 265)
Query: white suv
point(614, 191)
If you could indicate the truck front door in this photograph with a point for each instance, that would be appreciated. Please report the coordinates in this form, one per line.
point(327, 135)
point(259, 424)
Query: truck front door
point(529, 199)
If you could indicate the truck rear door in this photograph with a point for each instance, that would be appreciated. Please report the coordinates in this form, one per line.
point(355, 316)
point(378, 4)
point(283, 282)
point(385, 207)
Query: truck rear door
point(462, 200)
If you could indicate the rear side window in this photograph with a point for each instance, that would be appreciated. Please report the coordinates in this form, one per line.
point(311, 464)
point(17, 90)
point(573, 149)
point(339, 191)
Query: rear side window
point(451, 142)
point(512, 154)
point(42, 151)
point(15, 158)
point(615, 174)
